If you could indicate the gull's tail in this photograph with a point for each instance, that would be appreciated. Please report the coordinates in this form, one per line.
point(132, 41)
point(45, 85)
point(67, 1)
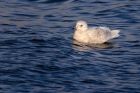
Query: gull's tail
point(115, 33)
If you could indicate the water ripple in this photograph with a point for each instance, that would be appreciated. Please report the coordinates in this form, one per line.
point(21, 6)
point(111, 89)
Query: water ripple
point(38, 54)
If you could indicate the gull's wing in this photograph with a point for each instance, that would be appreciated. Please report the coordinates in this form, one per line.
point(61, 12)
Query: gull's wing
point(99, 34)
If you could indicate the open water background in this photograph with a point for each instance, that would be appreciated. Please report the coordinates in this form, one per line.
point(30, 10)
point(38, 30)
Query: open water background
point(38, 55)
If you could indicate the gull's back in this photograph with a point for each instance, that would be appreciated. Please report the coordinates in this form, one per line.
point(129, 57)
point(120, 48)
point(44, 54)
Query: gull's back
point(99, 34)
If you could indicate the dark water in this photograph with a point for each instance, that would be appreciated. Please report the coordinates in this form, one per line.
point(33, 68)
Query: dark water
point(38, 55)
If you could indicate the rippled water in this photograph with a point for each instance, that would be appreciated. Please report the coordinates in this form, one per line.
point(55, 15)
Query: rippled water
point(38, 55)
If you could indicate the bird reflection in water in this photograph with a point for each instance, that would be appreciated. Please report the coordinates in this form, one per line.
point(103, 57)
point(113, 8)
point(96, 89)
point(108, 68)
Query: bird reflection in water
point(86, 47)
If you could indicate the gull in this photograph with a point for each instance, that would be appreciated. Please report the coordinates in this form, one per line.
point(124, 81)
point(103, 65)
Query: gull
point(93, 35)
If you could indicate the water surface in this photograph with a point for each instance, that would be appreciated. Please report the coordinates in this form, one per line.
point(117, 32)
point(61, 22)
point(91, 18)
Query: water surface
point(38, 55)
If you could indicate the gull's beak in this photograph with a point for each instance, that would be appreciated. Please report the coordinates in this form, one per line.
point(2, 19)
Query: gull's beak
point(75, 27)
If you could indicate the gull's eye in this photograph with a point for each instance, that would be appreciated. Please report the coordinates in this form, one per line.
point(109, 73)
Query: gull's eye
point(81, 25)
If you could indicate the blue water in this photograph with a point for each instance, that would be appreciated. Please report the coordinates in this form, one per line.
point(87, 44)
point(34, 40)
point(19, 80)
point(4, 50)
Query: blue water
point(38, 55)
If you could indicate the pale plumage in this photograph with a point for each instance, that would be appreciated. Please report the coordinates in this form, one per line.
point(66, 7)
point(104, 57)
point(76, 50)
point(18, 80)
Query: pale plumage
point(98, 35)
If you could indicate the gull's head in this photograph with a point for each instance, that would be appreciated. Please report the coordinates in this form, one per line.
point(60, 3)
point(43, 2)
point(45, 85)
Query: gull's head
point(81, 25)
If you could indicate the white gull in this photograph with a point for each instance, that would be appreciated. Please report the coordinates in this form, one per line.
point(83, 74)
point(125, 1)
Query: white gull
point(92, 35)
